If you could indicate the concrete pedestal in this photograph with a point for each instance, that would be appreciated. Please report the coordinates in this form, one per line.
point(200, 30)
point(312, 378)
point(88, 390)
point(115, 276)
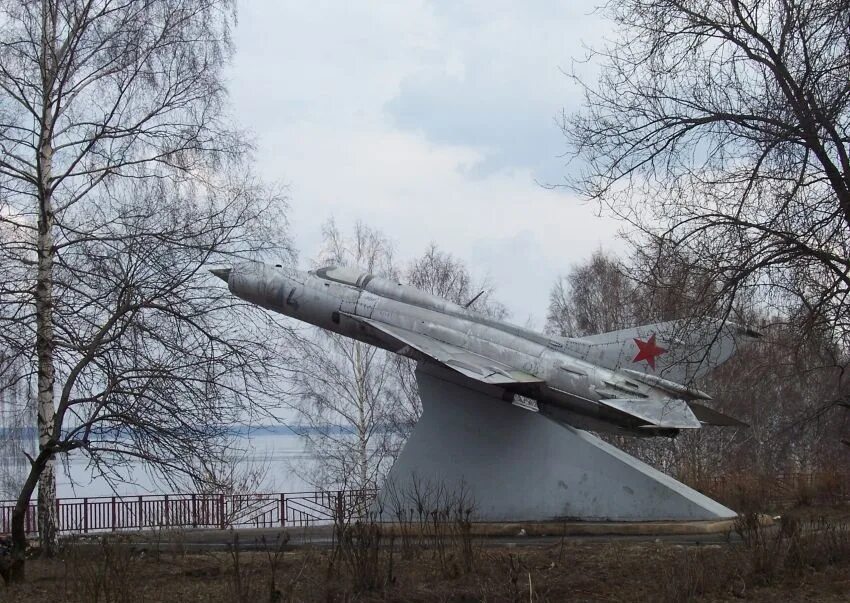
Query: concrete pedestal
point(517, 465)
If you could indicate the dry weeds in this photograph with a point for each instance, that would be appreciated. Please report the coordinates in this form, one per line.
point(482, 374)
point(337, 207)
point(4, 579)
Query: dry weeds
point(811, 566)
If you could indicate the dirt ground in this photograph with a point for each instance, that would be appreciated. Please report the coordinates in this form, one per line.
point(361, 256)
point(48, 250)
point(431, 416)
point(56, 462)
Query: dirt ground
point(806, 559)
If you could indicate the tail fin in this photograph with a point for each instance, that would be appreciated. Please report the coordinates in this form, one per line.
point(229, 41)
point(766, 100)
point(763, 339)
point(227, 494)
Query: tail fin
point(680, 350)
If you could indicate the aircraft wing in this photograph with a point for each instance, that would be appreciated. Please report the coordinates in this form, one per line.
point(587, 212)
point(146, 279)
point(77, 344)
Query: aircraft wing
point(474, 366)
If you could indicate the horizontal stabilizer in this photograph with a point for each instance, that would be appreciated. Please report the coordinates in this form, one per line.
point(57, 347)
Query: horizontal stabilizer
point(709, 416)
point(669, 413)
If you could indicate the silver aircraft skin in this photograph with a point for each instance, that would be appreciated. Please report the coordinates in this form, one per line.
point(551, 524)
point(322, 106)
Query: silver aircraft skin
point(631, 382)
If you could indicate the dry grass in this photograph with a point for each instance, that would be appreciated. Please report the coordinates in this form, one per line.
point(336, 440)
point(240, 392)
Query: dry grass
point(780, 558)
point(751, 492)
point(797, 563)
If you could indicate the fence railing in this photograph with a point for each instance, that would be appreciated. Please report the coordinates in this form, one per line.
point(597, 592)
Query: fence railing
point(114, 513)
point(290, 509)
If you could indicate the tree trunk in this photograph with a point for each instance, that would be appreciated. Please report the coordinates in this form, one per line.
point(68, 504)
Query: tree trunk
point(42, 470)
point(44, 302)
point(17, 566)
point(362, 427)
point(45, 354)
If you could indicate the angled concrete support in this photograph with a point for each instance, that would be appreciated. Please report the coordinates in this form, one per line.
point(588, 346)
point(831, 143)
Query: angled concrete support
point(518, 465)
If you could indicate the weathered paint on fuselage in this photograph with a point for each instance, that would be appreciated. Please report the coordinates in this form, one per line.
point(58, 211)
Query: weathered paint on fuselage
point(571, 385)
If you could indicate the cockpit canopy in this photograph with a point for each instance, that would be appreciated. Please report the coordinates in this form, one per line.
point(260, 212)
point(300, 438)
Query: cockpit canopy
point(345, 275)
point(391, 289)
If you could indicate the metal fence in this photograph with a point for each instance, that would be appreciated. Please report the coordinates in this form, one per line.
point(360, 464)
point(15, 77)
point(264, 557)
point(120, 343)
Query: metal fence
point(113, 513)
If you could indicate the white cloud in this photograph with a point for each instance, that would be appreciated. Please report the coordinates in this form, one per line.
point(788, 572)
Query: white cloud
point(323, 87)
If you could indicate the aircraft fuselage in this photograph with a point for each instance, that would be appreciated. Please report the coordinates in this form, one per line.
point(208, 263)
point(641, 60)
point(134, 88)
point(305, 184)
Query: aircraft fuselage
point(567, 387)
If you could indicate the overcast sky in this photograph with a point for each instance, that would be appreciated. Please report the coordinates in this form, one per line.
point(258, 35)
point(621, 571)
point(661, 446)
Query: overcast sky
point(431, 121)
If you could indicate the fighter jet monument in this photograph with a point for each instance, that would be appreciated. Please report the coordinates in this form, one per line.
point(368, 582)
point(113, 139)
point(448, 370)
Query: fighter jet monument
point(527, 461)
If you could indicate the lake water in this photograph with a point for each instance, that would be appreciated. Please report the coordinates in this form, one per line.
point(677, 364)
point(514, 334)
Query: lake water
point(278, 454)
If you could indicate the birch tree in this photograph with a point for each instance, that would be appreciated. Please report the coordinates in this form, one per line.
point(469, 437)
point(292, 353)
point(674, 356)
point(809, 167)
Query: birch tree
point(343, 385)
point(591, 298)
point(120, 177)
point(439, 273)
point(358, 404)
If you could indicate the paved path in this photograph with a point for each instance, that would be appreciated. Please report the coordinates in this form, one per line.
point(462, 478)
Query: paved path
point(506, 535)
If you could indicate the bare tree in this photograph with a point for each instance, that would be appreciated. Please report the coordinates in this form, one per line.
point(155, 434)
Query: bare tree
point(17, 421)
point(241, 470)
point(343, 385)
point(723, 128)
point(597, 296)
point(120, 177)
point(655, 283)
point(439, 273)
point(592, 298)
point(360, 403)
point(776, 385)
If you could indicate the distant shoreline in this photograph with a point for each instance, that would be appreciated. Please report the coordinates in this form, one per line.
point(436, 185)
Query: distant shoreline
point(31, 432)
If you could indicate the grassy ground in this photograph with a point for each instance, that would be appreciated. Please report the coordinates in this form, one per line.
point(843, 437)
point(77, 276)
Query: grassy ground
point(805, 559)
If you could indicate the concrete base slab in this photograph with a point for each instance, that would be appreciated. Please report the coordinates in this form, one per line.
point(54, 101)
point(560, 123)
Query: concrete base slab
point(471, 449)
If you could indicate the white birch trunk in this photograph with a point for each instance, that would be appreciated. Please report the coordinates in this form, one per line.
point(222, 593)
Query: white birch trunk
point(44, 296)
point(44, 350)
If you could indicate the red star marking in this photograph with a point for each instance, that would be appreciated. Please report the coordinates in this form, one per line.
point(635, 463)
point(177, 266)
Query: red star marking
point(647, 350)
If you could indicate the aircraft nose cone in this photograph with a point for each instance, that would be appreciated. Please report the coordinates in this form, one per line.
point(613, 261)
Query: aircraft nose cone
point(222, 273)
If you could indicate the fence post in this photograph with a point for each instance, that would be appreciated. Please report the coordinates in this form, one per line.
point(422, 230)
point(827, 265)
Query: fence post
point(282, 510)
point(221, 510)
point(166, 511)
point(194, 511)
point(85, 515)
point(113, 514)
point(140, 512)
